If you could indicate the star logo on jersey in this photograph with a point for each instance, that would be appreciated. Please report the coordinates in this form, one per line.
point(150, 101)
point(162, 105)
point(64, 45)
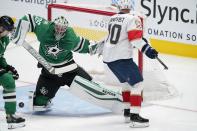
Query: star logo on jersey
point(53, 50)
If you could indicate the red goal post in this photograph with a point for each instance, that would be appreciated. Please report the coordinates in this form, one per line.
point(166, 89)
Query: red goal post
point(90, 11)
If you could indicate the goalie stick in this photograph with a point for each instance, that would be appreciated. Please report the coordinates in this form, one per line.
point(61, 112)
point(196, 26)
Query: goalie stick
point(40, 59)
point(18, 37)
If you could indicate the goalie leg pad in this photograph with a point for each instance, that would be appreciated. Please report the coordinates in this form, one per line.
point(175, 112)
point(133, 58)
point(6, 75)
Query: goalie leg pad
point(97, 94)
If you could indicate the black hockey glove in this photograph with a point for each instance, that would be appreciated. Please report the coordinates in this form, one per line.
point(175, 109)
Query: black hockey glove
point(149, 51)
point(2, 71)
point(13, 70)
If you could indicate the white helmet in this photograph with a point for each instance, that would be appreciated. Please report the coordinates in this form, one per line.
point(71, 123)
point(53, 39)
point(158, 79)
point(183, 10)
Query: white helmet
point(61, 25)
point(126, 4)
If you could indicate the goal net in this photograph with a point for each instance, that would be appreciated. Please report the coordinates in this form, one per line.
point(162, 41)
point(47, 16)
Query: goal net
point(91, 22)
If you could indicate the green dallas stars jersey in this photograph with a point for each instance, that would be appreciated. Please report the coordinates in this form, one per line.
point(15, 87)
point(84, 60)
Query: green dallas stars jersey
point(56, 52)
point(4, 41)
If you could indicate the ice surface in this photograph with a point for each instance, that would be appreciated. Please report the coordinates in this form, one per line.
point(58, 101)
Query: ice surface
point(179, 113)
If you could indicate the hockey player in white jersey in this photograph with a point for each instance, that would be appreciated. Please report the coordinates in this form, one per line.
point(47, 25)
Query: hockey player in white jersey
point(125, 32)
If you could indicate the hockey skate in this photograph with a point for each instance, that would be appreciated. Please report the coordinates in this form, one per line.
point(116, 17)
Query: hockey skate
point(15, 121)
point(126, 115)
point(34, 107)
point(137, 121)
point(46, 107)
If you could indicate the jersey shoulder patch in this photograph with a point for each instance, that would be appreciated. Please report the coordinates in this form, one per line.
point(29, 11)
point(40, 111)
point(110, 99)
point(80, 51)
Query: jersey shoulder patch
point(135, 28)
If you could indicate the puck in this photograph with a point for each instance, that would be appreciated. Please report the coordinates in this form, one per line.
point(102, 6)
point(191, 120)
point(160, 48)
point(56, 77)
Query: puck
point(21, 104)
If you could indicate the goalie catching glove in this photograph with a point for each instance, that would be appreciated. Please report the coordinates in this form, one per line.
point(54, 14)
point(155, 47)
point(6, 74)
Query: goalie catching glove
point(96, 47)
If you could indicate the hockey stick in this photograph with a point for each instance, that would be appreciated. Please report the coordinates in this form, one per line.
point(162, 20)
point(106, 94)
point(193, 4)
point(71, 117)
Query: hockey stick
point(18, 37)
point(40, 59)
point(162, 63)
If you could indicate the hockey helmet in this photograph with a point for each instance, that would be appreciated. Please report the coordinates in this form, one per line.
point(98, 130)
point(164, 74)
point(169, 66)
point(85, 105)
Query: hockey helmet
point(7, 23)
point(125, 4)
point(61, 25)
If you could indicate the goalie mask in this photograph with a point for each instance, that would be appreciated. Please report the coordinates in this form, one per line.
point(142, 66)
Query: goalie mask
point(125, 4)
point(61, 25)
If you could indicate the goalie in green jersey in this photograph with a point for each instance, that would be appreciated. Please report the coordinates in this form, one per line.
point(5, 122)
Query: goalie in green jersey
point(57, 42)
point(8, 75)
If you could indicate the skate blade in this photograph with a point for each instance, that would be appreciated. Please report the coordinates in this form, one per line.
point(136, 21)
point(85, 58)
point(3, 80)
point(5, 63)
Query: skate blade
point(31, 96)
point(40, 108)
point(16, 125)
point(139, 125)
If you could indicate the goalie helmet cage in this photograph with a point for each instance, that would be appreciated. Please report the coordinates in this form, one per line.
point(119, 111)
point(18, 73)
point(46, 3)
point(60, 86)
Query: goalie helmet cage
point(90, 21)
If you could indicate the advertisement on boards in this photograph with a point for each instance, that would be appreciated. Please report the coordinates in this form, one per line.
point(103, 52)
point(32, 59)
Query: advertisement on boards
point(171, 19)
point(171, 25)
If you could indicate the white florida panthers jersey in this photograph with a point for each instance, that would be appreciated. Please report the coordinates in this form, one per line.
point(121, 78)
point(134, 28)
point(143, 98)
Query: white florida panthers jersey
point(123, 31)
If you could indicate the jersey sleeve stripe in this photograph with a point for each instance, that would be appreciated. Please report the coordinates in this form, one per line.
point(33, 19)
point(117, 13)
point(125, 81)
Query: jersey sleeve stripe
point(31, 22)
point(135, 34)
point(80, 45)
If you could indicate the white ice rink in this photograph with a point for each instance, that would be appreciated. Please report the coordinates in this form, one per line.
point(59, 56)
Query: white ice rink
point(178, 114)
